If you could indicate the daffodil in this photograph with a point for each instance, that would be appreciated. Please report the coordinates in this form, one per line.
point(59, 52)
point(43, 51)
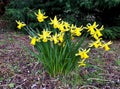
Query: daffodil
point(66, 25)
point(54, 38)
point(77, 31)
point(94, 31)
point(55, 22)
point(81, 63)
point(91, 28)
point(106, 46)
point(83, 53)
point(96, 43)
point(61, 27)
point(20, 24)
point(40, 16)
point(33, 40)
point(45, 35)
point(61, 37)
point(72, 30)
point(97, 34)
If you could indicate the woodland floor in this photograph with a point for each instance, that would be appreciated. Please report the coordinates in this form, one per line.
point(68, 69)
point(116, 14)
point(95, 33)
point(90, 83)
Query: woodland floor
point(20, 70)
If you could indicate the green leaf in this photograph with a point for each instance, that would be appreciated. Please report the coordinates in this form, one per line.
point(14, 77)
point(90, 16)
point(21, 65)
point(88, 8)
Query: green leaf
point(1, 78)
point(11, 85)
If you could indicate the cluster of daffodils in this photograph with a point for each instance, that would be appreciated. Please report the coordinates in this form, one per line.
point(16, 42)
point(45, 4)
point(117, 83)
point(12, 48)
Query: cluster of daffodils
point(95, 32)
point(58, 36)
point(62, 28)
point(97, 35)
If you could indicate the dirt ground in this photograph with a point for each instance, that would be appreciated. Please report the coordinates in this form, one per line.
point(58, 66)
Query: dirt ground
point(19, 70)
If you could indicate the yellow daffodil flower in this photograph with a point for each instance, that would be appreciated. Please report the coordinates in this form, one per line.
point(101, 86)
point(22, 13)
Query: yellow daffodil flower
point(105, 46)
point(94, 31)
point(81, 63)
point(91, 28)
point(40, 16)
point(77, 31)
point(61, 28)
point(83, 53)
point(96, 44)
point(97, 34)
point(20, 24)
point(54, 38)
point(66, 25)
point(61, 37)
point(55, 22)
point(72, 29)
point(33, 40)
point(45, 35)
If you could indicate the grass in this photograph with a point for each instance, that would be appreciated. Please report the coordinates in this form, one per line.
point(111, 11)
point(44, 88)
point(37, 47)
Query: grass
point(117, 62)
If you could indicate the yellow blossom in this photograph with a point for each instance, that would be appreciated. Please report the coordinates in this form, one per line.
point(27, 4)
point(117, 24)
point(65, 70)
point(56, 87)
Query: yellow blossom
point(105, 46)
point(97, 34)
point(61, 27)
point(81, 63)
point(66, 25)
point(72, 31)
point(40, 16)
point(83, 53)
point(94, 31)
point(96, 44)
point(61, 37)
point(91, 28)
point(20, 24)
point(45, 35)
point(33, 40)
point(77, 31)
point(55, 22)
point(54, 38)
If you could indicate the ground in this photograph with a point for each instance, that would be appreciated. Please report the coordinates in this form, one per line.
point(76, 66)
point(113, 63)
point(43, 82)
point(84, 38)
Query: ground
point(20, 70)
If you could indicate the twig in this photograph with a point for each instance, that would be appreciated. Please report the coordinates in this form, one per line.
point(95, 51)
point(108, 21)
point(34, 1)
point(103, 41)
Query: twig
point(89, 86)
point(4, 85)
point(97, 79)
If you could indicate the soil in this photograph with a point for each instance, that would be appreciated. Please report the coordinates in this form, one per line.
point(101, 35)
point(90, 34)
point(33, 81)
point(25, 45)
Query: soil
point(20, 70)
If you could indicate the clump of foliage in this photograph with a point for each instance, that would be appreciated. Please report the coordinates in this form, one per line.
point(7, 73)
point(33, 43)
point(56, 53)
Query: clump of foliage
point(112, 32)
point(77, 11)
point(57, 48)
point(105, 12)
